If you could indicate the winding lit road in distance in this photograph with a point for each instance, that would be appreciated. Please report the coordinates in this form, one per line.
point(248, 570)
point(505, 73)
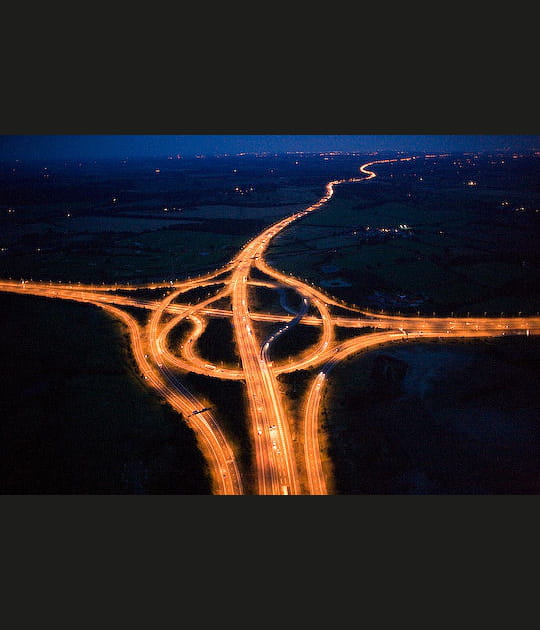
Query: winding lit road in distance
point(280, 467)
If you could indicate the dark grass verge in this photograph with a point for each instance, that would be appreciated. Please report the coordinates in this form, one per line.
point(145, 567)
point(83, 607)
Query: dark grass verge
point(294, 342)
point(217, 345)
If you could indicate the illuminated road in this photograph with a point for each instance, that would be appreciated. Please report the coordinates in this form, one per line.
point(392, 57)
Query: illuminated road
point(271, 421)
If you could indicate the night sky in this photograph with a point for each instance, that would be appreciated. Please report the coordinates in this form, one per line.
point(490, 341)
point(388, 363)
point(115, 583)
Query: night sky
point(86, 147)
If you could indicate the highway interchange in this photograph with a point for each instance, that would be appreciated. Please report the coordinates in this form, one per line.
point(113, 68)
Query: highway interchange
point(282, 464)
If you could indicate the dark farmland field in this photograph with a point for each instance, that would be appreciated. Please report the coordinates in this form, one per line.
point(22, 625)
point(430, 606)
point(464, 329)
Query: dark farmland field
point(437, 418)
point(448, 235)
point(129, 221)
point(76, 416)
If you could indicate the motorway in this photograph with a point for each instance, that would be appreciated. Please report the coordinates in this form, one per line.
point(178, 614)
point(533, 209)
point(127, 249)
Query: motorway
point(281, 463)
